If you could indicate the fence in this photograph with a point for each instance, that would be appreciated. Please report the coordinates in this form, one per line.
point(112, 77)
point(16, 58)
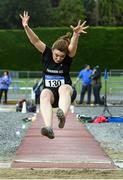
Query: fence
point(22, 84)
point(23, 81)
point(115, 85)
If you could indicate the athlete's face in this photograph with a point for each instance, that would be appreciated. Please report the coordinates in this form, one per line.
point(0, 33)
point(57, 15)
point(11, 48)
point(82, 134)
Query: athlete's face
point(58, 56)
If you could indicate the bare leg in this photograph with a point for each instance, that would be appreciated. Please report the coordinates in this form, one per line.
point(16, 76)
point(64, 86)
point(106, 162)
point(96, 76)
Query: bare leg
point(65, 93)
point(46, 100)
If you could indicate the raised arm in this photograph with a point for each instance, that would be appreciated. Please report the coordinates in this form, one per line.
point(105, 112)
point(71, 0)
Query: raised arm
point(31, 35)
point(80, 28)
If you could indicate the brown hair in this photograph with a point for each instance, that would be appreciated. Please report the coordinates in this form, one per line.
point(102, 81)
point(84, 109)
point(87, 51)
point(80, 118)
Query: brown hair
point(62, 43)
point(7, 72)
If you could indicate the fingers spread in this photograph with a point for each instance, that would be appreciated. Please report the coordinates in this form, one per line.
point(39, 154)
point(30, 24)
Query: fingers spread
point(84, 32)
point(21, 16)
point(72, 26)
point(83, 23)
point(25, 14)
point(85, 27)
point(79, 23)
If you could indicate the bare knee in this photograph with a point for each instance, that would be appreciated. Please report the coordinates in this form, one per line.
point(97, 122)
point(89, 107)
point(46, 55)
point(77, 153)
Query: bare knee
point(46, 96)
point(65, 89)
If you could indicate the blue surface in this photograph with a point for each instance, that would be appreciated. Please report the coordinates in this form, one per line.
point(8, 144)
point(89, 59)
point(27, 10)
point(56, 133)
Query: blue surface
point(115, 119)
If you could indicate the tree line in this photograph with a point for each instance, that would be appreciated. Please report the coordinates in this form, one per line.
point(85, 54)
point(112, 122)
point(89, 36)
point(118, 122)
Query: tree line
point(47, 13)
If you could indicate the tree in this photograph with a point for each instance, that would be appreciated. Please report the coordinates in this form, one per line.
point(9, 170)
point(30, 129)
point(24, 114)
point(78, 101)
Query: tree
point(10, 10)
point(117, 11)
point(8, 14)
point(111, 12)
point(38, 10)
point(68, 12)
point(90, 11)
point(61, 12)
point(104, 12)
point(55, 3)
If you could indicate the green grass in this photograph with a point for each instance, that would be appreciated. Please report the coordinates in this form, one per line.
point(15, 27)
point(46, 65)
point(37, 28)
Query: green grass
point(113, 83)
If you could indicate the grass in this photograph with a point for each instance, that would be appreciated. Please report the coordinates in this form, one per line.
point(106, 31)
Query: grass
point(60, 174)
point(114, 84)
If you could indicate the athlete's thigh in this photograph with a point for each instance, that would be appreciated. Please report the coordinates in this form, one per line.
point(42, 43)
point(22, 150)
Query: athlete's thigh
point(47, 93)
point(65, 88)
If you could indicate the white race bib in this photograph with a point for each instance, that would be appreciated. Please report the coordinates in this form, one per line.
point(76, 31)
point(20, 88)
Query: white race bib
point(54, 81)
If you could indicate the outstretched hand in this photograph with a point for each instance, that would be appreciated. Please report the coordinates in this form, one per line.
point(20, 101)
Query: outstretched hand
point(25, 18)
point(80, 28)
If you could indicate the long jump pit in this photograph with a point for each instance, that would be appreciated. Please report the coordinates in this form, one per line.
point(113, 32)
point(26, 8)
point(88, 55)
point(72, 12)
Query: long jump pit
point(72, 147)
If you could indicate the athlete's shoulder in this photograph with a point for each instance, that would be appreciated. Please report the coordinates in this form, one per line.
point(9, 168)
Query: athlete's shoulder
point(47, 51)
point(68, 59)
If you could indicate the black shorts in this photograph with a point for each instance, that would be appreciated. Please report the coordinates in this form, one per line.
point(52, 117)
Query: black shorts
point(56, 96)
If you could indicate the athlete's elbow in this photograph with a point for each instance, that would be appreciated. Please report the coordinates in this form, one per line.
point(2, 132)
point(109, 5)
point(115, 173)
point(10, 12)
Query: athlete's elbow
point(72, 54)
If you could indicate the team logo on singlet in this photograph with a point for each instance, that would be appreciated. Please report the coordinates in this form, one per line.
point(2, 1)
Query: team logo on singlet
point(54, 81)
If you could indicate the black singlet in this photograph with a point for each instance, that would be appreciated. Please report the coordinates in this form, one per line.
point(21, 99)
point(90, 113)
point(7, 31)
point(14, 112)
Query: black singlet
point(55, 74)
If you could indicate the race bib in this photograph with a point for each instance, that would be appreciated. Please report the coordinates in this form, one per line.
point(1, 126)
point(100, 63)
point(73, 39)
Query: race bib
point(54, 81)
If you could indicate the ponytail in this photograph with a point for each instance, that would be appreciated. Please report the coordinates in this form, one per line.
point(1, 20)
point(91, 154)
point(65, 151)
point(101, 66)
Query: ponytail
point(62, 43)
